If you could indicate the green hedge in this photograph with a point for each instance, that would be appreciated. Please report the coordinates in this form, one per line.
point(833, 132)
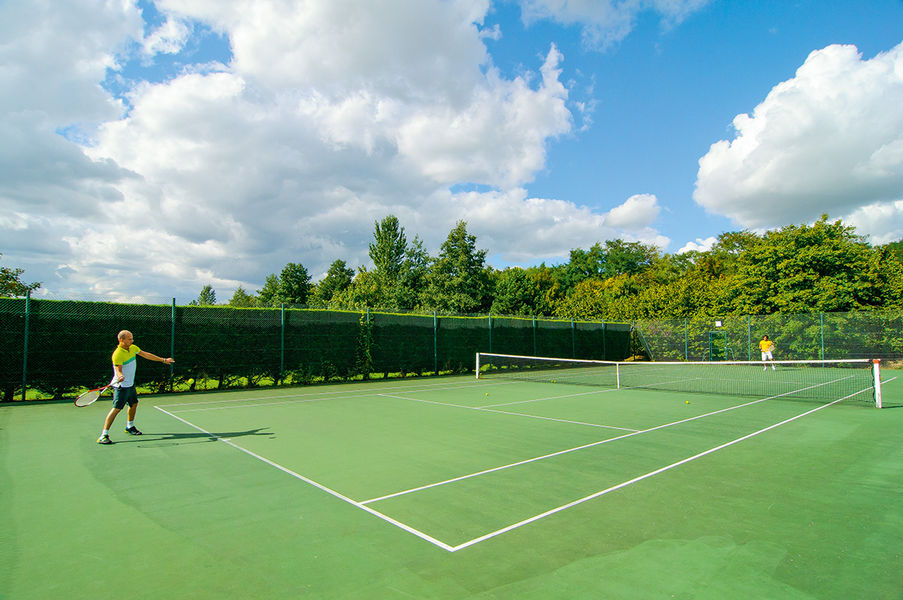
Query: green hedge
point(70, 343)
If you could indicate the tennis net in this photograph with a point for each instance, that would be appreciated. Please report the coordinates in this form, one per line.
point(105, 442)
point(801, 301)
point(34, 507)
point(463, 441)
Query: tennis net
point(824, 380)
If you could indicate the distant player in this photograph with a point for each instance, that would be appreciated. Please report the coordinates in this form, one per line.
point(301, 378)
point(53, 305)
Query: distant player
point(125, 363)
point(767, 347)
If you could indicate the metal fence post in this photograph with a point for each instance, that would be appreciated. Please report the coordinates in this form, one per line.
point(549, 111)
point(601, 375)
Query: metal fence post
point(435, 343)
point(686, 342)
point(25, 344)
point(534, 335)
point(281, 340)
point(821, 319)
point(573, 339)
point(748, 337)
point(604, 349)
point(172, 341)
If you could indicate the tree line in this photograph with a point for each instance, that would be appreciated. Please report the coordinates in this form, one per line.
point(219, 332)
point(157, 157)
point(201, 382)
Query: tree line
point(822, 267)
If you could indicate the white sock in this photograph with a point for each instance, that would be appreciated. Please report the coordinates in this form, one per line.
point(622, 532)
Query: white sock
point(129, 424)
point(104, 432)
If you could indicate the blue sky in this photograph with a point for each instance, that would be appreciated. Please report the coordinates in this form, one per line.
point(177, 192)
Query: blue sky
point(154, 147)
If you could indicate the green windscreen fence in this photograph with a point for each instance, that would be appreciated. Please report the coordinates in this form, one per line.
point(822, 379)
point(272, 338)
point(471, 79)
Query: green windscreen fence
point(807, 336)
point(54, 348)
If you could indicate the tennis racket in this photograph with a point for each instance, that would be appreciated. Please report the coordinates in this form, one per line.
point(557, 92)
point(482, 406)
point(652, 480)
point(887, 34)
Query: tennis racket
point(90, 396)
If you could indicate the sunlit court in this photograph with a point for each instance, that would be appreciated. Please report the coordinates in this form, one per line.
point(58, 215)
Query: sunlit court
point(324, 487)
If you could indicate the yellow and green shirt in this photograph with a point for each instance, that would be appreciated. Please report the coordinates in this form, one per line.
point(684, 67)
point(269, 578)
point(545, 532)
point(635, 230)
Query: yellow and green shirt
point(129, 361)
point(765, 345)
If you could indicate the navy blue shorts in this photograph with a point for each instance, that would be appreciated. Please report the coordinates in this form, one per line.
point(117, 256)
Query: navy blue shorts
point(123, 396)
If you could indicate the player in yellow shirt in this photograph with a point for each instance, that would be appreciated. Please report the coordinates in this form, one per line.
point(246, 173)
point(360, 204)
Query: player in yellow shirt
point(125, 364)
point(767, 347)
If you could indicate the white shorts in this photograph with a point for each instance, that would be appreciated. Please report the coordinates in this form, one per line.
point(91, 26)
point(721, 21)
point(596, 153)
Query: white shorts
point(767, 356)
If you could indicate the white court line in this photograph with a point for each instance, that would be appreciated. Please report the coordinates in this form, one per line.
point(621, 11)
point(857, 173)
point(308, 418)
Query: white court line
point(338, 395)
point(576, 448)
point(506, 412)
point(551, 398)
point(320, 486)
point(519, 524)
point(624, 484)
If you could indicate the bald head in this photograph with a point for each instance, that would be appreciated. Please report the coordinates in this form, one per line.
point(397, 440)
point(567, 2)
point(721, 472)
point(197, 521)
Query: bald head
point(125, 338)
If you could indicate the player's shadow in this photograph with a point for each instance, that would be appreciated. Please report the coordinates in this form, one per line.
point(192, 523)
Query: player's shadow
point(196, 436)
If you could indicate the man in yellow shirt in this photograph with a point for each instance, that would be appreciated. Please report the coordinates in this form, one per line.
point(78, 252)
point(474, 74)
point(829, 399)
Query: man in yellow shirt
point(124, 366)
point(767, 347)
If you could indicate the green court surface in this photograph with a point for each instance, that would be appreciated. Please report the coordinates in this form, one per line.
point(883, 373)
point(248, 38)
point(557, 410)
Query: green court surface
point(455, 488)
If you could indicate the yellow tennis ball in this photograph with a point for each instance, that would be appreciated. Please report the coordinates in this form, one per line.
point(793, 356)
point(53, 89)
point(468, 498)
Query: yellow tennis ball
point(486, 394)
point(688, 401)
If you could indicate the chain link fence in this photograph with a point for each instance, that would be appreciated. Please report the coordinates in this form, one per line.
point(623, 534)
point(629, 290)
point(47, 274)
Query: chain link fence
point(811, 336)
point(57, 348)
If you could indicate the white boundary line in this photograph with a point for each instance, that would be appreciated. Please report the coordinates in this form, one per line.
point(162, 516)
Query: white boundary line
point(320, 486)
point(636, 479)
point(250, 402)
point(449, 548)
point(560, 452)
point(506, 412)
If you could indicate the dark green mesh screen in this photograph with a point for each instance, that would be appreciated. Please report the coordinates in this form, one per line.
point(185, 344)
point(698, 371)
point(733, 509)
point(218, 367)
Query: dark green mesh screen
point(402, 344)
point(12, 334)
point(225, 347)
point(321, 345)
point(459, 339)
point(513, 336)
point(554, 338)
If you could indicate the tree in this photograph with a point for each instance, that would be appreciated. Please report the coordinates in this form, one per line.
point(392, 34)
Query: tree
point(207, 297)
point(413, 278)
point(11, 285)
point(338, 278)
point(242, 299)
point(364, 292)
point(516, 293)
point(824, 267)
point(291, 286)
point(458, 278)
point(268, 295)
point(617, 257)
point(294, 284)
point(388, 250)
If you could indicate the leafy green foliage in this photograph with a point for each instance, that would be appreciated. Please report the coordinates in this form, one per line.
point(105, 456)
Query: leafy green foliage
point(338, 278)
point(458, 280)
point(291, 286)
point(388, 249)
point(207, 297)
point(11, 285)
point(242, 299)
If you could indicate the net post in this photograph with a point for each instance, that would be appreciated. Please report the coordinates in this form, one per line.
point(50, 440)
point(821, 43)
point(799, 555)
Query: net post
point(478, 365)
point(618, 375)
point(876, 371)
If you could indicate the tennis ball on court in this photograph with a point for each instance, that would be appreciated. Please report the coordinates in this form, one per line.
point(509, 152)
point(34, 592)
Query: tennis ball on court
point(688, 401)
point(486, 394)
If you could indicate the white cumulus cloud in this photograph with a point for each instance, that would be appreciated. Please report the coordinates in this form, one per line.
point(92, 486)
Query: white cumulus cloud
point(606, 22)
point(328, 115)
point(829, 140)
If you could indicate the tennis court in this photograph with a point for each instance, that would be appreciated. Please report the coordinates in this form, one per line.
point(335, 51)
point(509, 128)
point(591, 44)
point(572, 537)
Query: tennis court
point(455, 487)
